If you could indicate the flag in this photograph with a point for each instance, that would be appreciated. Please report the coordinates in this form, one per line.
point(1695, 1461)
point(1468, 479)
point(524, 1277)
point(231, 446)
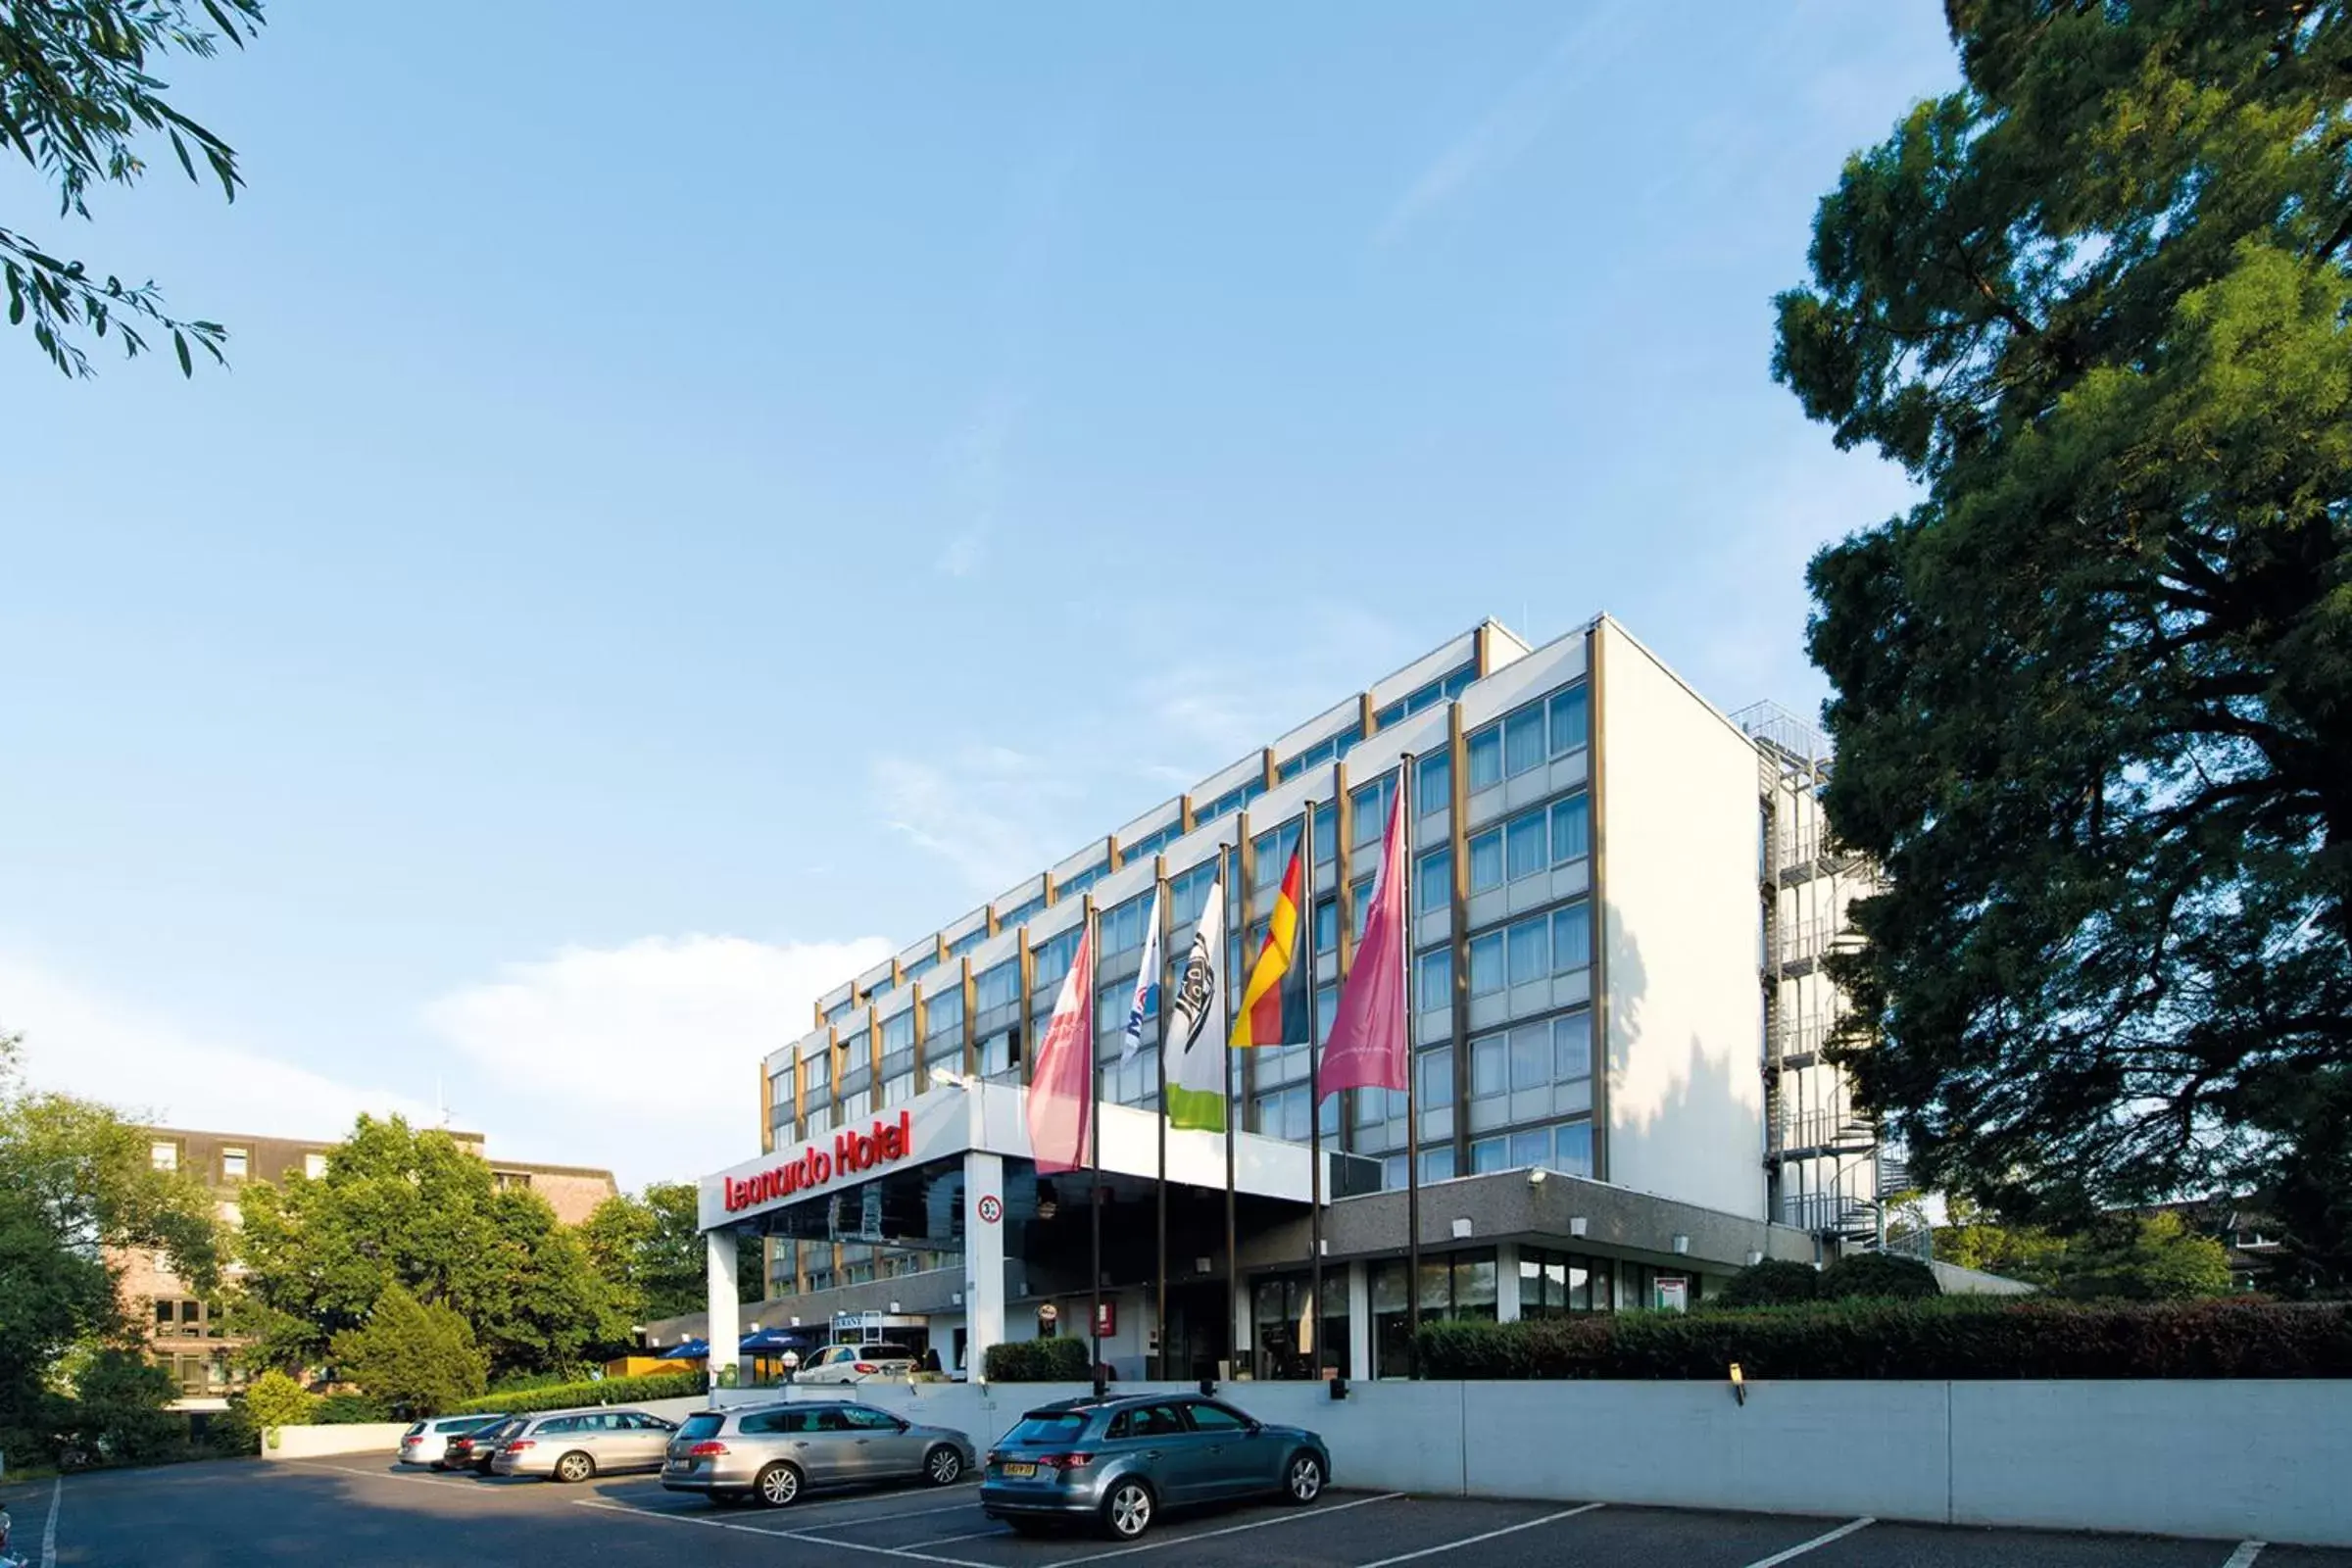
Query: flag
point(1061, 1089)
point(1146, 985)
point(1367, 1048)
point(1196, 1038)
point(1273, 1011)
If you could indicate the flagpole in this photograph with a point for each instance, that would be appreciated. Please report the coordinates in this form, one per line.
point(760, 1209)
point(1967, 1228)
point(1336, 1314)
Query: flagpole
point(1315, 1094)
point(1159, 1309)
point(1094, 1145)
point(1239, 898)
point(1412, 1078)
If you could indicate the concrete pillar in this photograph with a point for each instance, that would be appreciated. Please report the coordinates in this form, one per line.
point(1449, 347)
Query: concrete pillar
point(1507, 1283)
point(1359, 1321)
point(983, 1255)
point(727, 1316)
point(1245, 1335)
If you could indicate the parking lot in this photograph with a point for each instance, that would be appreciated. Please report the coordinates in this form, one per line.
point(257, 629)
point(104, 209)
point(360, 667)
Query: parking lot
point(368, 1513)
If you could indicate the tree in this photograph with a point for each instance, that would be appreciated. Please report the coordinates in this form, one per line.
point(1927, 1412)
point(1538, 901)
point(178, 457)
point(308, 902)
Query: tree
point(1876, 1276)
point(275, 1399)
point(650, 1244)
point(416, 1358)
point(1775, 1282)
point(2143, 1258)
point(404, 1207)
point(118, 1407)
point(2092, 697)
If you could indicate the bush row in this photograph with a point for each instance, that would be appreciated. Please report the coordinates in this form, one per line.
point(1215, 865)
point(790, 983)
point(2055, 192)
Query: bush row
point(1954, 1338)
point(1035, 1361)
point(611, 1390)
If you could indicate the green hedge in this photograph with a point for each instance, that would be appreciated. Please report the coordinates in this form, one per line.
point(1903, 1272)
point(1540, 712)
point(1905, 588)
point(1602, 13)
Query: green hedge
point(1035, 1361)
point(612, 1391)
point(1775, 1282)
point(1880, 1276)
point(1951, 1338)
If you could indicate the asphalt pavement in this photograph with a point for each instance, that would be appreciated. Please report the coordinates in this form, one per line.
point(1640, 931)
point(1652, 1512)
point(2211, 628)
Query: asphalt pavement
point(365, 1512)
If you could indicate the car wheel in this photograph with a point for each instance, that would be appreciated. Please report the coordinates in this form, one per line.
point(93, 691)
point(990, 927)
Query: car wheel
point(575, 1467)
point(481, 1467)
point(943, 1466)
point(1303, 1479)
point(1127, 1511)
point(778, 1485)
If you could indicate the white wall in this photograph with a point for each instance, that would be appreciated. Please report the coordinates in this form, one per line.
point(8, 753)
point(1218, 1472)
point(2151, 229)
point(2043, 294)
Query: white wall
point(2224, 1460)
point(1677, 825)
point(361, 1437)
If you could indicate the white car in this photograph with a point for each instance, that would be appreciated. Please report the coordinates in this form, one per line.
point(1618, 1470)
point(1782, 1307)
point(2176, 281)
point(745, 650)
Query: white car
point(854, 1363)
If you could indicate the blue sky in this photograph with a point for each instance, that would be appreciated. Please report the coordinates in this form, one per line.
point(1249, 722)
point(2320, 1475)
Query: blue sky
point(694, 506)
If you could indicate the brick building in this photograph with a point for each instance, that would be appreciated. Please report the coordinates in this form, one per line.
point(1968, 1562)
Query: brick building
point(183, 1328)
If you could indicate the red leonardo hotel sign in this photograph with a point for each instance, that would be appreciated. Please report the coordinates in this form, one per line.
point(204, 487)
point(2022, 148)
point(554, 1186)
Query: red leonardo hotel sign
point(852, 1153)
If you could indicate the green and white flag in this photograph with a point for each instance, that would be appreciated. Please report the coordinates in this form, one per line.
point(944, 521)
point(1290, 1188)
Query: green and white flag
point(1196, 1025)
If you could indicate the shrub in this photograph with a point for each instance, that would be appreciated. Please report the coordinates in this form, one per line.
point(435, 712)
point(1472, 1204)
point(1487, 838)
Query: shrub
point(275, 1399)
point(349, 1410)
point(1037, 1361)
point(609, 1391)
point(418, 1357)
point(1775, 1282)
point(1878, 1276)
point(1954, 1338)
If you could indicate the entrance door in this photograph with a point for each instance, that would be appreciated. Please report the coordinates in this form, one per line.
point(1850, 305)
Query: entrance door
point(1198, 1331)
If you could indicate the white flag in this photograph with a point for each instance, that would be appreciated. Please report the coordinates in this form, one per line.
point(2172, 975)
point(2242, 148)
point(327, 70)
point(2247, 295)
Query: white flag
point(1146, 985)
point(1196, 1025)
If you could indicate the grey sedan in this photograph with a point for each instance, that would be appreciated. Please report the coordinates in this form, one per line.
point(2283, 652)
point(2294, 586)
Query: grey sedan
point(1120, 1462)
point(772, 1454)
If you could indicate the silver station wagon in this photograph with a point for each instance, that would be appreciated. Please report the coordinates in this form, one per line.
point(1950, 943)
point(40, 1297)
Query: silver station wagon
point(771, 1454)
point(574, 1445)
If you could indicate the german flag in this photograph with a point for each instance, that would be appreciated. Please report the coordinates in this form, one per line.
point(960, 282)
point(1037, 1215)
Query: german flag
point(1273, 1009)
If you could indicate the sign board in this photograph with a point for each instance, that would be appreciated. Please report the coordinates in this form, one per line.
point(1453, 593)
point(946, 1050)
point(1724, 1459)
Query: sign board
point(992, 1210)
point(1107, 1320)
point(1674, 1293)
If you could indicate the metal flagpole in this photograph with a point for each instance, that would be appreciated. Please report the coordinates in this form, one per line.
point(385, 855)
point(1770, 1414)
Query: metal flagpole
point(1315, 1092)
point(1094, 1145)
point(1159, 1309)
point(1412, 1080)
point(1236, 897)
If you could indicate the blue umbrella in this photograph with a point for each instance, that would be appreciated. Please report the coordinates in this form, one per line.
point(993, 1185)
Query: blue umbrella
point(687, 1351)
point(766, 1342)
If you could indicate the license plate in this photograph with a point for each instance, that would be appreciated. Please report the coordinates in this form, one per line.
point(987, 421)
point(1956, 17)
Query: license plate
point(1019, 1472)
point(681, 1464)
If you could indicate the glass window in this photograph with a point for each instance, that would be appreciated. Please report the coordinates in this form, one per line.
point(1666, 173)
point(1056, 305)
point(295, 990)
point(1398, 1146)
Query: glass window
point(1571, 1046)
point(1486, 963)
point(1437, 781)
point(1207, 1417)
point(1486, 756)
point(896, 1091)
point(1486, 861)
point(1371, 811)
point(898, 1031)
point(1122, 928)
point(1327, 1006)
point(1327, 926)
point(968, 940)
point(999, 986)
point(1523, 741)
point(1572, 1149)
point(1489, 1067)
point(1437, 1165)
point(164, 1154)
point(1359, 907)
point(1530, 950)
point(923, 965)
point(1436, 979)
point(1433, 880)
point(1273, 851)
point(943, 1010)
point(234, 1162)
point(1018, 914)
point(1189, 891)
point(1327, 834)
point(314, 1164)
point(1531, 1056)
point(1527, 845)
point(1473, 1285)
point(1078, 882)
point(1050, 962)
point(1530, 1151)
point(1569, 719)
point(1436, 1078)
point(1485, 1156)
point(1571, 829)
point(1572, 937)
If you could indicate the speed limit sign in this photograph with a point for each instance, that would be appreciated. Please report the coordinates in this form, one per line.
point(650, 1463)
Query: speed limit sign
point(992, 1210)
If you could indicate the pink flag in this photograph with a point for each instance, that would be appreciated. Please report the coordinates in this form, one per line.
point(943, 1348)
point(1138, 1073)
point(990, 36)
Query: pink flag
point(1061, 1089)
point(1366, 1048)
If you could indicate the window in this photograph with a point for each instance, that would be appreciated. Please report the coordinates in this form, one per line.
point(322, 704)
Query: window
point(1273, 850)
point(943, 1011)
point(1490, 1068)
point(1527, 845)
point(1557, 1284)
point(898, 1090)
point(1436, 1078)
point(1486, 756)
point(1371, 808)
point(1359, 907)
point(1000, 986)
point(898, 1031)
point(1327, 1007)
point(1071, 885)
point(1523, 745)
point(1485, 1156)
point(1486, 964)
point(164, 1154)
point(1122, 928)
point(1208, 1417)
point(1569, 719)
point(1327, 834)
point(1018, 914)
point(1573, 1152)
point(1436, 979)
point(1327, 926)
point(923, 965)
point(1531, 1056)
point(314, 1164)
point(1486, 861)
point(234, 1164)
point(1571, 938)
point(1437, 781)
point(1530, 950)
point(1189, 891)
point(1148, 1421)
point(1437, 1165)
point(163, 1314)
point(1433, 880)
point(1050, 962)
point(968, 940)
point(866, 1418)
point(1571, 1046)
point(1571, 829)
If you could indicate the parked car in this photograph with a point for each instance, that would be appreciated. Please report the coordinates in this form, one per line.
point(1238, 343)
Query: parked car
point(574, 1445)
point(854, 1363)
point(472, 1450)
point(772, 1454)
point(427, 1442)
point(1122, 1462)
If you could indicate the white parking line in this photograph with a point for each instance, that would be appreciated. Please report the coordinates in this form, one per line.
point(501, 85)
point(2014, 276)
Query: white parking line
point(445, 1483)
point(977, 1535)
point(781, 1535)
point(1293, 1517)
point(1472, 1541)
point(57, 1497)
point(1822, 1539)
point(2244, 1555)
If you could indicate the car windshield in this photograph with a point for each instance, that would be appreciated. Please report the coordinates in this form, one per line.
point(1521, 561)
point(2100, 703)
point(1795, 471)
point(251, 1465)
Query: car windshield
point(1047, 1426)
point(413, 1431)
point(701, 1424)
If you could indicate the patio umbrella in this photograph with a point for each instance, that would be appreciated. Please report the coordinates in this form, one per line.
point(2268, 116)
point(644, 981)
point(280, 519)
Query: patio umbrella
point(687, 1351)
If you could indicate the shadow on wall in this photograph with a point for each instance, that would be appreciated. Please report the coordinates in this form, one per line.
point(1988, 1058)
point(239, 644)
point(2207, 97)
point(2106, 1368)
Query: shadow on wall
point(1687, 1124)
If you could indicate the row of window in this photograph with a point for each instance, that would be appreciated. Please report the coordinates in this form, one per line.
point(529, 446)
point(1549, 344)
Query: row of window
point(1323, 751)
point(1528, 737)
point(1566, 1149)
point(1444, 689)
